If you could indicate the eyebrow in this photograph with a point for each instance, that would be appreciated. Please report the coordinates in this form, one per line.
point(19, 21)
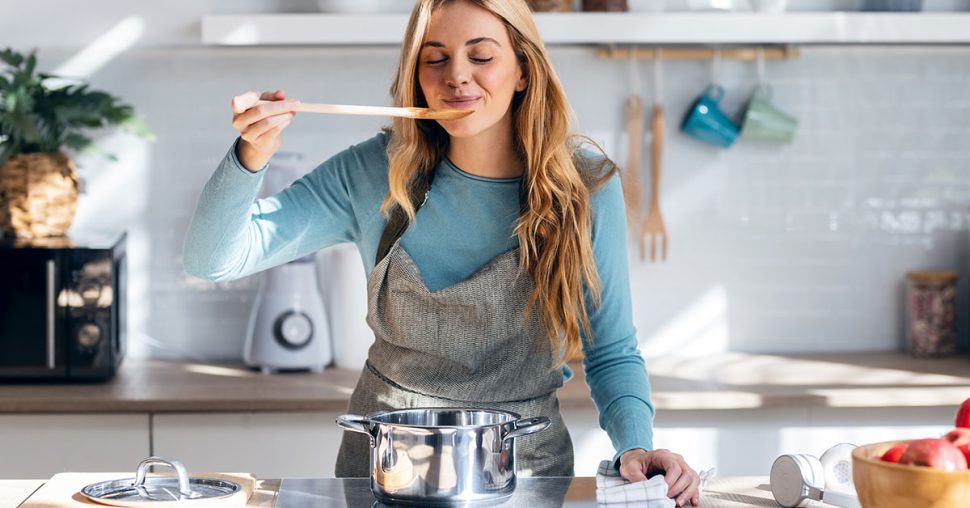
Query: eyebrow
point(470, 42)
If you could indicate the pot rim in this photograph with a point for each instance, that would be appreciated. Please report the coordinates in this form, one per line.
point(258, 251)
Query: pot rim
point(513, 417)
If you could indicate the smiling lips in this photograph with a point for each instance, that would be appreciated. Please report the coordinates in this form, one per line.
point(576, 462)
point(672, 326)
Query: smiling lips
point(464, 102)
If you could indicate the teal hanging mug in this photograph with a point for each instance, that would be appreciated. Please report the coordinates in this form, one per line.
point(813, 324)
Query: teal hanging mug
point(706, 122)
point(764, 122)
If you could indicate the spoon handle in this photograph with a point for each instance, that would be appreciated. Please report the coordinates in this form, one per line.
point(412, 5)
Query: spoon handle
point(421, 113)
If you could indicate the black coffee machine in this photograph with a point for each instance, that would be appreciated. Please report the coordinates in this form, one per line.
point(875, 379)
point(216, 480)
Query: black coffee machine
point(63, 306)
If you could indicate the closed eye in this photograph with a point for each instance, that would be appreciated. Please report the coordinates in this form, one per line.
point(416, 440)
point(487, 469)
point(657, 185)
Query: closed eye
point(442, 60)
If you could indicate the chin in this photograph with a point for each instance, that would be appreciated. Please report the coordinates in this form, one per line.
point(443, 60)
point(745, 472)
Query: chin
point(462, 128)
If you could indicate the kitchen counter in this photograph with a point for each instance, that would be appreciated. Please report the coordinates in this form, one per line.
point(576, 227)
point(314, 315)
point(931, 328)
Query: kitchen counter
point(579, 492)
point(14, 492)
point(724, 381)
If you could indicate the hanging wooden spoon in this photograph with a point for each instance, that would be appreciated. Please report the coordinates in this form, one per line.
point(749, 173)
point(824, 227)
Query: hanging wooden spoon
point(632, 188)
point(654, 226)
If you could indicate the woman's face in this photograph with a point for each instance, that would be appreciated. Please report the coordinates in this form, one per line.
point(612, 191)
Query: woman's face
point(467, 62)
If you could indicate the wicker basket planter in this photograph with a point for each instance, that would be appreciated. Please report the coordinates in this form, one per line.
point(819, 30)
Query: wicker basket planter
point(38, 195)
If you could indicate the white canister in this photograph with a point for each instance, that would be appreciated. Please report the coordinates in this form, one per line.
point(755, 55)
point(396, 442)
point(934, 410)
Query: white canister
point(770, 6)
point(344, 286)
point(646, 5)
point(719, 5)
point(364, 6)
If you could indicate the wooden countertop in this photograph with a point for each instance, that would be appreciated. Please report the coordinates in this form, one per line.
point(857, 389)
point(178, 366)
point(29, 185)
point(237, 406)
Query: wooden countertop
point(724, 381)
point(14, 492)
point(722, 492)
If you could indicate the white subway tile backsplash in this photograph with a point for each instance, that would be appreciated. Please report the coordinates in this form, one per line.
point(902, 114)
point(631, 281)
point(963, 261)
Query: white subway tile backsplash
point(789, 248)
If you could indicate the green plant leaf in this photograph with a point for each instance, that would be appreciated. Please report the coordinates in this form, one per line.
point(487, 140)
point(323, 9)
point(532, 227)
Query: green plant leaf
point(11, 57)
point(36, 117)
point(31, 64)
point(137, 126)
point(76, 141)
point(94, 148)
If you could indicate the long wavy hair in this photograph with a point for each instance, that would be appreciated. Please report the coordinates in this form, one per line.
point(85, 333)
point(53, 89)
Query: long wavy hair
point(554, 225)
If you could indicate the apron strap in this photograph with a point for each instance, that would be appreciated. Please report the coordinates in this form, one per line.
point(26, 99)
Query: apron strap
point(398, 221)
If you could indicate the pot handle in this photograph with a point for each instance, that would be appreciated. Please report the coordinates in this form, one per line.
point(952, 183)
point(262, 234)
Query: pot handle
point(527, 426)
point(357, 423)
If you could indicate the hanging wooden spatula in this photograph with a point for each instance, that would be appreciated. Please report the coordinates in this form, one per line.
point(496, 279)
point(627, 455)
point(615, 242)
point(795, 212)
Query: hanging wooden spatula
point(417, 113)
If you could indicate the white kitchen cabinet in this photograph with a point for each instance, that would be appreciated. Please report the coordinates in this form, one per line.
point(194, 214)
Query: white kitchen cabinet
point(305, 444)
point(737, 442)
point(42, 445)
point(746, 441)
point(269, 445)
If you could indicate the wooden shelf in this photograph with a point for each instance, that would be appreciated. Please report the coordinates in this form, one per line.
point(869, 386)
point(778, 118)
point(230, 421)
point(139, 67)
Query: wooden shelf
point(611, 28)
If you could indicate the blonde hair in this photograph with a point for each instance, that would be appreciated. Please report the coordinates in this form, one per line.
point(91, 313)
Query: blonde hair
point(555, 222)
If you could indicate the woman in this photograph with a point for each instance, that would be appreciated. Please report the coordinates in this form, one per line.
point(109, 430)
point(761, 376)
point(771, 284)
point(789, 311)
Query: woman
point(495, 248)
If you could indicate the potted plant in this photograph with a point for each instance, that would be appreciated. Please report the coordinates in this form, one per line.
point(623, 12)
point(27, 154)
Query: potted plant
point(38, 121)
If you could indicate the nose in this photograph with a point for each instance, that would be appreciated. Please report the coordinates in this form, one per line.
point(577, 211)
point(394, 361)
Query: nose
point(458, 74)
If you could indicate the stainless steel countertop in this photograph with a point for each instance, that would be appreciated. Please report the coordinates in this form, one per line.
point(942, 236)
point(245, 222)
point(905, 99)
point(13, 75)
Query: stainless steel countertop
point(355, 492)
point(541, 492)
point(580, 492)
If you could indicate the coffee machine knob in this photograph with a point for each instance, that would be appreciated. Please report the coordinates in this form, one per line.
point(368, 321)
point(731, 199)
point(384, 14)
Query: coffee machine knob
point(293, 329)
point(88, 335)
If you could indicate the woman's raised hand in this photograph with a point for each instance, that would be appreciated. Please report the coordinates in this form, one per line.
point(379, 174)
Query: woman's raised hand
point(260, 119)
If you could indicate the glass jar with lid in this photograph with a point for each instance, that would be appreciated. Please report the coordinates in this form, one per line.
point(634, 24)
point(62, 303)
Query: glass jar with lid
point(931, 313)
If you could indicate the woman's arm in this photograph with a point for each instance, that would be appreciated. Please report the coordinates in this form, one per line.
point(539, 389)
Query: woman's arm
point(615, 371)
point(232, 234)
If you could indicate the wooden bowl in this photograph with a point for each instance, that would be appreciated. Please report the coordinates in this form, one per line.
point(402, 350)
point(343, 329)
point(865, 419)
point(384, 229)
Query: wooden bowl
point(887, 485)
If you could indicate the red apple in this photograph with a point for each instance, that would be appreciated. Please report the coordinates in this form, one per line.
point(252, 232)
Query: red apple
point(936, 453)
point(960, 438)
point(894, 453)
point(963, 415)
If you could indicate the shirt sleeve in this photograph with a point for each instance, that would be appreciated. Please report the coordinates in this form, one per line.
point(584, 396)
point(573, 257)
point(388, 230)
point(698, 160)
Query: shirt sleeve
point(615, 370)
point(232, 234)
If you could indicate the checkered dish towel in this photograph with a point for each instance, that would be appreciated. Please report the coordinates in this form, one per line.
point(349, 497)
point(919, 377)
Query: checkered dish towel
point(614, 490)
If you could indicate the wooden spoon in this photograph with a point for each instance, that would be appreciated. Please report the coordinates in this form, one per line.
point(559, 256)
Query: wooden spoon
point(417, 113)
point(654, 226)
point(632, 188)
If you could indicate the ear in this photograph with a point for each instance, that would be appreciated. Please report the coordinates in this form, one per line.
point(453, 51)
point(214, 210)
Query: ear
point(523, 79)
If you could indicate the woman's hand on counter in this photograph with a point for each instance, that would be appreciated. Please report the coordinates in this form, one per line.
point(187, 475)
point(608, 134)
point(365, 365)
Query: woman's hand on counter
point(682, 481)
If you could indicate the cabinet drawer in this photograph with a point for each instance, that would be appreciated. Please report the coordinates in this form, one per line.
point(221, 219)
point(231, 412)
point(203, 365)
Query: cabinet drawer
point(42, 445)
point(269, 445)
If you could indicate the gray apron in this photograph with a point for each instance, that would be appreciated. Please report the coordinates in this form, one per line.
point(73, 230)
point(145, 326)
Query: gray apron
point(466, 345)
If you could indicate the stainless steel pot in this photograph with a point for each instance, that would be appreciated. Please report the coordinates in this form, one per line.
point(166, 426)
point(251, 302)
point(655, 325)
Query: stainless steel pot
point(442, 456)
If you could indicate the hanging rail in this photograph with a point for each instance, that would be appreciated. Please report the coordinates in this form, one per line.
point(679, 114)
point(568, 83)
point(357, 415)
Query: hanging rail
point(674, 53)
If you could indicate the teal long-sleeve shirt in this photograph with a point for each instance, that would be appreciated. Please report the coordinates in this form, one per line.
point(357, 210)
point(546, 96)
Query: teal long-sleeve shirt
point(466, 221)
